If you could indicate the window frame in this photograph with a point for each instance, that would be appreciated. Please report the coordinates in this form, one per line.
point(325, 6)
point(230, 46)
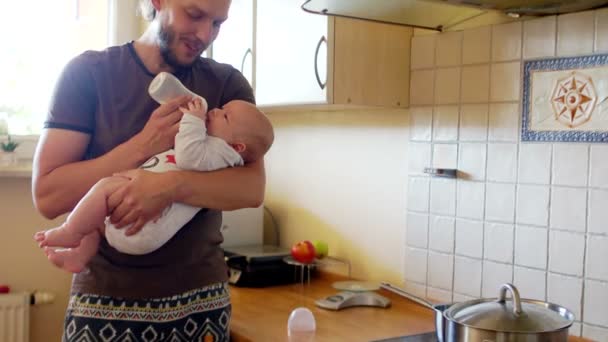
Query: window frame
point(122, 28)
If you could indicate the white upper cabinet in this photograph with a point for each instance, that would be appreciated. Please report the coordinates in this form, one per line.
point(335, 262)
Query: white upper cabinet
point(281, 50)
point(287, 39)
point(235, 43)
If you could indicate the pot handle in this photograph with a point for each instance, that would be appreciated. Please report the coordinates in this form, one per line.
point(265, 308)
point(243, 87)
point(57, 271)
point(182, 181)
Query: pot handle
point(514, 295)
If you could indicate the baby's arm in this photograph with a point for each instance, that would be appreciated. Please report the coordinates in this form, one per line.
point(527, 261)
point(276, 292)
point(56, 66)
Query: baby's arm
point(191, 148)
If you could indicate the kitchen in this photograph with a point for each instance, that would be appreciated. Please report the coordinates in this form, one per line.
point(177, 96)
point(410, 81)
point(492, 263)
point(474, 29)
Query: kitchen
point(382, 214)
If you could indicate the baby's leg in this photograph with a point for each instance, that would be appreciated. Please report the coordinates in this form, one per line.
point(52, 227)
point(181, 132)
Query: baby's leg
point(75, 259)
point(87, 217)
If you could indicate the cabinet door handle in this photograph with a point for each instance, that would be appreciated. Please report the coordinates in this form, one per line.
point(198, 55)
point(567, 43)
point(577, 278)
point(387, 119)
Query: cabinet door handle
point(248, 52)
point(321, 41)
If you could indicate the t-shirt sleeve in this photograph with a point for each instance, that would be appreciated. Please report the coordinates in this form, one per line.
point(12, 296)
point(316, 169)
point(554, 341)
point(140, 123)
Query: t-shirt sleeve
point(73, 103)
point(237, 88)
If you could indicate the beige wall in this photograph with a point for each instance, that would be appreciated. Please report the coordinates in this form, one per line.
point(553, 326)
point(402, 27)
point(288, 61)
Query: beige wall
point(23, 266)
point(336, 176)
point(341, 177)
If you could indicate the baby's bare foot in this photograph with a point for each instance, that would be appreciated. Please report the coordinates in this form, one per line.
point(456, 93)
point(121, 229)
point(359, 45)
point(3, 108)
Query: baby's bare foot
point(65, 258)
point(58, 237)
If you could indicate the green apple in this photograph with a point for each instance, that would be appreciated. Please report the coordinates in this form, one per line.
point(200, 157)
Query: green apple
point(321, 248)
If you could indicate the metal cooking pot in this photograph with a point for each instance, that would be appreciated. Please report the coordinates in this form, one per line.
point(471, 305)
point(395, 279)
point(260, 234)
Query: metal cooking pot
point(502, 320)
point(498, 320)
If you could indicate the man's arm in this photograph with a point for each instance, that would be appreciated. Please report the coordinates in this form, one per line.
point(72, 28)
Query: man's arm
point(226, 189)
point(148, 193)
point(60, 178)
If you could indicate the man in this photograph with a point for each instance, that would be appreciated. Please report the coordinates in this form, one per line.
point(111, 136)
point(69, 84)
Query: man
point(101, 122)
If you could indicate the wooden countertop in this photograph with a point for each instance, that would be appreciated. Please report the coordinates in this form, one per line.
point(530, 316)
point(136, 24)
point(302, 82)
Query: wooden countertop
point(260, 314)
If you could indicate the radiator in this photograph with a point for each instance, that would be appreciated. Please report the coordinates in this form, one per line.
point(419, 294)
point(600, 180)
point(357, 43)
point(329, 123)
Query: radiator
point(15, 317)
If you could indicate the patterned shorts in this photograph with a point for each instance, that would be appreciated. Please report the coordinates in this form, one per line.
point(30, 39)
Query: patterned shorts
point(198, 315)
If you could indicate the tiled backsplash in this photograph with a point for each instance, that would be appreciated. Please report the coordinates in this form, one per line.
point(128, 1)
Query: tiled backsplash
point(535, 214)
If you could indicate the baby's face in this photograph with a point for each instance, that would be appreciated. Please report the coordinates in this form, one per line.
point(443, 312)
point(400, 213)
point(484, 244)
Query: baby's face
point(225, 122)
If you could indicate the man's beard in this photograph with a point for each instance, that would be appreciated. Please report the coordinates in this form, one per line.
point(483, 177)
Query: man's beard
point(166, 38)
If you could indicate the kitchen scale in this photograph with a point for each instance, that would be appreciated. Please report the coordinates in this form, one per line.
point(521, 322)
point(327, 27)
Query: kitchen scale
point(353, 293)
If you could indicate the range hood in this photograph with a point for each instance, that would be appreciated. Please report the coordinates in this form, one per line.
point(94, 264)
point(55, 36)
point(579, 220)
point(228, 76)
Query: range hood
point(446, 15)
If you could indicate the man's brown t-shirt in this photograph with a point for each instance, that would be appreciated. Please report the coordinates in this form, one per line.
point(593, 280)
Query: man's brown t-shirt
point(104, 94)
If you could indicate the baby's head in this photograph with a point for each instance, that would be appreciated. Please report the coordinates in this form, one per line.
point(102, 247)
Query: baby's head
point(243, 126)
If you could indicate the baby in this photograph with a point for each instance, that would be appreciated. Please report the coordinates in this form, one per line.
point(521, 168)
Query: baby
point(230, 136)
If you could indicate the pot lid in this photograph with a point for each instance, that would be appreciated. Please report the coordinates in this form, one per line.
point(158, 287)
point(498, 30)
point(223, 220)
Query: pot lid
point(514, 315)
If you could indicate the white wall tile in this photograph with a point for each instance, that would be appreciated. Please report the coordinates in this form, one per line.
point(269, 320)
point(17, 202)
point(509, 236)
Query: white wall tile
point(445, 156)
point(421, 122)
point(415, 264)
point(570, 164)
point(503, 122)
point(575, 33)
point(476, 45)
point(560, 256)
point(532, 205)
point(418, 194)
point(568, 208)
point(459, 298)
point(566, 252)
point(531, 246)
point(539, 38)
point(441, 268)
point(449, 49)
point(441, 235)
point(475, 84)
point(494, 275)
point(530, 283)
point(535, 163)
point(595, 333)
point(575, 329)
point(472, 161)
point(438, 295)
point(506, 42)
point(598, 174)
point(447, 86)
point(601, 32)
point(415, 288)
point(597, 255)
point(502, 162)
point(596, 297)
point(423, 52)
point(498, 242)
point(443, 196)
point(474, 122)
point(505, 82)
point(470, 199)
point(500, 202)
point(417, 230)
point(467, 276)
point(445, 123)
point(420, 158)
point(423, 87)
point(469, 238)
point(565, 291)
point(598, 215)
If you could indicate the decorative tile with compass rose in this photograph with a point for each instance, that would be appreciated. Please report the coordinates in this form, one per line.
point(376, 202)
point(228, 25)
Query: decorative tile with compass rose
point(566, 99)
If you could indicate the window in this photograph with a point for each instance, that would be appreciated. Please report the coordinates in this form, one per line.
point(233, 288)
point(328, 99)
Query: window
point(39, 37)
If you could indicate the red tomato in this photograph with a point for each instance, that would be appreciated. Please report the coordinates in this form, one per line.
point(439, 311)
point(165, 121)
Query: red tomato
point(303, 252)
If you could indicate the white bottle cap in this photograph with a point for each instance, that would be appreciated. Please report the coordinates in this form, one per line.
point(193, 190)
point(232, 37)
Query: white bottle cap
point(301, 320)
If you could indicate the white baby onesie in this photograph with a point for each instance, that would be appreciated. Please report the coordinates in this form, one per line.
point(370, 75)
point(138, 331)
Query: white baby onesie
point(194, 150)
